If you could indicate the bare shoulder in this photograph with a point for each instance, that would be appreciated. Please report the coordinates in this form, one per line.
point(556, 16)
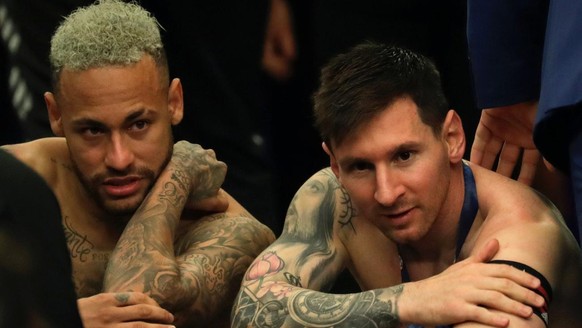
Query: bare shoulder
point(529, 227)
point(44, 155)
point(531, 231)
point(318, 209)
point(505, 202)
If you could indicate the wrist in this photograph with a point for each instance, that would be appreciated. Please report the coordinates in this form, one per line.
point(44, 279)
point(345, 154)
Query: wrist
point(404, 304)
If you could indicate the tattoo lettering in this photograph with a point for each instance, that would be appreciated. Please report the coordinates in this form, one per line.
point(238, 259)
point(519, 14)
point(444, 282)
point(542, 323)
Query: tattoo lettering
point(171, 194)
point(79, 246)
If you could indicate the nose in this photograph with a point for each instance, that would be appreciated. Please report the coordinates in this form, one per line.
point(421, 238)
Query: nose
point(388, 187)
point(119, 156)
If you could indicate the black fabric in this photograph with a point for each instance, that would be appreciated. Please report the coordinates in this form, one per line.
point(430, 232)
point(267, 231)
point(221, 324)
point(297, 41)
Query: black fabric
point(35, 268)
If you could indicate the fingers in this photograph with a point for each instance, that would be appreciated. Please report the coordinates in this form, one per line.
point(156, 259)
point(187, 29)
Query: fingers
point(507, 289)
point(516, 284)
point(123, 310)
point(482, 135)
point(486, 253)
point(484, 316)
point(529, 163)
point(141, 312)
point(485, 147)
point(508, 158)
point(132, 298)
point(217, 203)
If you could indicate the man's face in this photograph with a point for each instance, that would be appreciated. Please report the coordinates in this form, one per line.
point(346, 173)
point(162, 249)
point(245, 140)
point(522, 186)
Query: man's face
point(117, 122)
point(396, 171)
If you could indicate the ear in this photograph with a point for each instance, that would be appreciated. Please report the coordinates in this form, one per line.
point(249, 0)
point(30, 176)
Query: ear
point(54, 113)
point(176, 101)
point(454, 136)
point(332, 160)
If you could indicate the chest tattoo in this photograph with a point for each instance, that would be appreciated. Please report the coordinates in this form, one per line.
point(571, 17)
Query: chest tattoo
point(79, 246)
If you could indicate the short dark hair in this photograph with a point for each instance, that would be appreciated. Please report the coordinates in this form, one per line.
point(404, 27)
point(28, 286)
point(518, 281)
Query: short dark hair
point(357, 85)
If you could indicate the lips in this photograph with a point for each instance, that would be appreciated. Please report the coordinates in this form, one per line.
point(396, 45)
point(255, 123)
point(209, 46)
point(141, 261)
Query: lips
point(399, 218)
point(122, 187)
point(398, 214)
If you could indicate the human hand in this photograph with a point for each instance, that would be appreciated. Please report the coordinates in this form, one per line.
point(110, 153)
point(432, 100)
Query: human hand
point(123, 310)
point(505, 131)
point(467, 290)
point(214, 204)
point(279, 48)
point(198, 168)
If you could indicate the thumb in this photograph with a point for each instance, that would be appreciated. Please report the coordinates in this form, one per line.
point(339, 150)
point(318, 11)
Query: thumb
point(486, 253)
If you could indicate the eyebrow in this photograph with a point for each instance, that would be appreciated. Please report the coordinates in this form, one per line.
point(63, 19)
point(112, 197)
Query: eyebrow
point(131, 117)
point(407, 146)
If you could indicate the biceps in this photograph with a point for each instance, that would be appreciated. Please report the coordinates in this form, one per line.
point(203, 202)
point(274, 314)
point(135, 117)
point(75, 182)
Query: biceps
point(294, 264)
point(221, 247)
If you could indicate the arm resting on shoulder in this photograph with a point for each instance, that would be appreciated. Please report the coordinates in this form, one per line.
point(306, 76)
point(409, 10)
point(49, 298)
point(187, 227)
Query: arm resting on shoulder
point(286, 285)
point(194, 271)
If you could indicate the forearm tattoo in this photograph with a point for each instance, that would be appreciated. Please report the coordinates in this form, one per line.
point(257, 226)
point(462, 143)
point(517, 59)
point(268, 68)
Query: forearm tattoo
point(308, 308)
point(194, 271)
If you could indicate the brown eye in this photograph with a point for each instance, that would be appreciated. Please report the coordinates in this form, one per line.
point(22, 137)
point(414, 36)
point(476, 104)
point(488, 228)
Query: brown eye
point(404, 156)
point(139, 125)
point(92, 131)
point(361, 166)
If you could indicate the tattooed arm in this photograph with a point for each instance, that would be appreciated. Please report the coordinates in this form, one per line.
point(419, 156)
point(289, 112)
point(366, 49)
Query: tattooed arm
point(286, 285)
point(193, 271)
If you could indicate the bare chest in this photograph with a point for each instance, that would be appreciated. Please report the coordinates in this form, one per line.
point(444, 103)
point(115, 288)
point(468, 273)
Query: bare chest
point(89, 252)
point(374, 259)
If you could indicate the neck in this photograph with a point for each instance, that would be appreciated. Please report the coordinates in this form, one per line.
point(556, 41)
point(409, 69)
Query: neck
point(440, 243)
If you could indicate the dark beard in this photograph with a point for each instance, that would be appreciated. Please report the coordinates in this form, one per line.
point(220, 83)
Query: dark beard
point(120, 214)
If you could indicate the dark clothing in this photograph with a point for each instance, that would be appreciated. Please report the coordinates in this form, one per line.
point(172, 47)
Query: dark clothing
point(35, 268)
point(560, 108)
point(523, 50)
point(506, 56)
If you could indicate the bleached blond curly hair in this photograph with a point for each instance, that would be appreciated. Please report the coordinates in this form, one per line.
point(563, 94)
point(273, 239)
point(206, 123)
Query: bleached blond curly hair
point(106, 33)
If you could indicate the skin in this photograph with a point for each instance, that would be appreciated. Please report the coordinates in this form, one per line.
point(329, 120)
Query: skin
point(115, 151)
point(395, 181)
point(505, 131)
point(279, 49)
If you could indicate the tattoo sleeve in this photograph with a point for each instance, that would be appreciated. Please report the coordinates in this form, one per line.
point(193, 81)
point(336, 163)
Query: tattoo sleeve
point(193, 272)
point(285, 286)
